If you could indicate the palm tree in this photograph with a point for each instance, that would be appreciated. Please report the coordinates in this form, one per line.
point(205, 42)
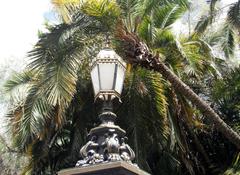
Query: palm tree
point(49, 123)
point(140, 54)
point(227, 104)
point(137, 52)
point(225, 31)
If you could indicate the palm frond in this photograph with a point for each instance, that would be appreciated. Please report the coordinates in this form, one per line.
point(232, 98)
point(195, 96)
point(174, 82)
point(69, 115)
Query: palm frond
point(66, 8)
point(18, 79)
point(57, 56)
point(174, 55)
point(149, 6)
point(198, 58)
point(212, 8)
point(61, 77)
point(203, 24)
point(157, 90)
point(163, 38)
point(228, 41)
point(142, 88)
point(166, 15)
point(104, 10)
point(152, 5)
point(225, 39)
point(44, 50)
point(233, 16)
point(146, 29)
point(30, 124)
point(213, 39)
point(212, 4)
point(131, 11)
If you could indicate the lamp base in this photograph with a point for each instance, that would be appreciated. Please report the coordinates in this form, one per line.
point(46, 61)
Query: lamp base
point(111, 168)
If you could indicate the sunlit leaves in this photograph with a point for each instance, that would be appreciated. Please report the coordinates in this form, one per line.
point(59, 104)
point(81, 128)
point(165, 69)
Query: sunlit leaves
point(51, 78)
point(157, 89)
point(129, 7)
point(65, 8)
point(149, 122)
point(152, 5)
point(104, 10)
point(64, 1)
point(166, 15)
point(199, 57)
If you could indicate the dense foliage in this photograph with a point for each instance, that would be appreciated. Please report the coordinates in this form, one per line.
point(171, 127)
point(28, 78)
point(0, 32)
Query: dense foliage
point(50, 118)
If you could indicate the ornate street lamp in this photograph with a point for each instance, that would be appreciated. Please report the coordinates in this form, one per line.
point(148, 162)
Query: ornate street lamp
point(106, 152)
point(108, 70)
point(107, 141)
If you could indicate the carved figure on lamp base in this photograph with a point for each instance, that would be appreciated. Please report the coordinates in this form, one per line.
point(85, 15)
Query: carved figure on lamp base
point(107, 143)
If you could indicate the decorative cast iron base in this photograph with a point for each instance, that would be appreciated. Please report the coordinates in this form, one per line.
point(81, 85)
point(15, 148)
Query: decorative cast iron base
point(111, 168)
point(107, 143)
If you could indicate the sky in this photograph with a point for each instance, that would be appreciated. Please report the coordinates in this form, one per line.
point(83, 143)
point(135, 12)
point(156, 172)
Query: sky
point(20, 21)
point(226, 2)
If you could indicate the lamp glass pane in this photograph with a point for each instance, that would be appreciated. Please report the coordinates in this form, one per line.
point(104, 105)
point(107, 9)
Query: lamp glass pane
point(106, 71)
point(120, 79)
point(95, 79)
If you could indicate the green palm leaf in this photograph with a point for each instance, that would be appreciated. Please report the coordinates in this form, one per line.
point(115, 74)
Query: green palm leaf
point(234, 15)
point(213, 4)
point(18, 79)
point(132, 12)
point(228, 41)
point(203, 24)
point(30, 124)
point(166, 15)
point(104, 10)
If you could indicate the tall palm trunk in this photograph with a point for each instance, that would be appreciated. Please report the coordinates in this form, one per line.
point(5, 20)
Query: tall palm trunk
point(138, 53)
point(181, 87)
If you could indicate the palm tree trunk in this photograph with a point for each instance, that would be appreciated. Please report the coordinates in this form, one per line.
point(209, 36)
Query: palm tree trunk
point(138, 53)
point(181, 87)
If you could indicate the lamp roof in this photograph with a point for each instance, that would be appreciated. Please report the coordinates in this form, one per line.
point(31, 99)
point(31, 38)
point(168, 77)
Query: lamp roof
point(108, 53)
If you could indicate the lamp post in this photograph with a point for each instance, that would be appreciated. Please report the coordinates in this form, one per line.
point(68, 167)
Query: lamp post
point(106, 152)
point(107, 141)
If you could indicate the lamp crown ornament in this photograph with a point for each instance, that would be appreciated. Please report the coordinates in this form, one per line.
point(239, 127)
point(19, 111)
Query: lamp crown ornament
point(107, 142)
